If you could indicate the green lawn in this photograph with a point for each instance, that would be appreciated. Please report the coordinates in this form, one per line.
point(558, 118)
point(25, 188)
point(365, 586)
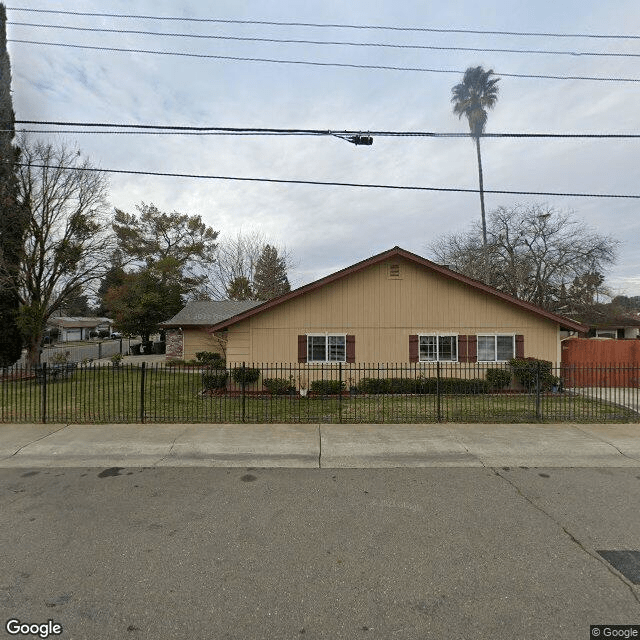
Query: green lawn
point(105, 394)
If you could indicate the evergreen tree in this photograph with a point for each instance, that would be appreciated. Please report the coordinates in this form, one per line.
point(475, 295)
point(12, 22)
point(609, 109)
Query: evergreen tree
point(12, 220)
point(240, 289)
point(270, 278)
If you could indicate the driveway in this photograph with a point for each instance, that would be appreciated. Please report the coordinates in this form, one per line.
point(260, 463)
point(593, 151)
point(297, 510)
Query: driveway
point(624, 396)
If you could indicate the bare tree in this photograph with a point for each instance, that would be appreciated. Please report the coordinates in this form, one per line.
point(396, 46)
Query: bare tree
point(68, 240)
point(535, 253)
point(236, 262)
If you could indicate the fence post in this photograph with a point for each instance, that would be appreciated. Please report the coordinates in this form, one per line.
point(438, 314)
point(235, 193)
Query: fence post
point(120, 346)
point(43, 394)
point(538, 411)
point(340, 392)
point(438, 412)
point(244, 382)
point(142, 377)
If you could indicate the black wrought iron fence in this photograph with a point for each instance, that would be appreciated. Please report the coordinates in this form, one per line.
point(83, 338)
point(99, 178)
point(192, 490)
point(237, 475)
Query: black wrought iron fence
point(309, 393)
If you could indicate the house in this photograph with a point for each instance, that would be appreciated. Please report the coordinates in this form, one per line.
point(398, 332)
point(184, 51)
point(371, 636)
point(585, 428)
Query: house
point(69, 329)
point(187, 332)
point(394, 307)
point(608, 321)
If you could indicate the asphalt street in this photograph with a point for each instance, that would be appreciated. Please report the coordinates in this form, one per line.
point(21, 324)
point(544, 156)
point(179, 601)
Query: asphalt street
point(252, 553)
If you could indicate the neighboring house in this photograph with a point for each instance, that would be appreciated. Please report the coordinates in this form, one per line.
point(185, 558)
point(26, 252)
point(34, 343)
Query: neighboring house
point(70, 329)
point(617, 326)
point(188, 331)
point(395, 307)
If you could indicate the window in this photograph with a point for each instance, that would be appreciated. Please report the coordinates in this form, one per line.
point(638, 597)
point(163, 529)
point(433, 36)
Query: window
point(495, 348)
point(326, 348)
point(438, 348)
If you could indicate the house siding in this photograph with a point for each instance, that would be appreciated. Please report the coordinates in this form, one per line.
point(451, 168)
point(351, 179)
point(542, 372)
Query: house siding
point(382, 312)
point(199, 339)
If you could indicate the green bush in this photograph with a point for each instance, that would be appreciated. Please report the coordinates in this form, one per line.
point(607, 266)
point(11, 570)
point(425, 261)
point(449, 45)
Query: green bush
point(278, 386)
point(210, 359)
point(422, 385)
point(245, 375)
point(498, 378)
point(327, 387)
point(373, 385)
point(527, 370)
point(214, 381)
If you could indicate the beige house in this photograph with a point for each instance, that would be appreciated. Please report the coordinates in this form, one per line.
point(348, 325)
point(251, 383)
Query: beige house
point(188, 332)
point(395, 307)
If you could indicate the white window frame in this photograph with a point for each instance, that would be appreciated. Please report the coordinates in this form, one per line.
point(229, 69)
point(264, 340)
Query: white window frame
point(495, 337)
point(437, 336)
point(326, 337)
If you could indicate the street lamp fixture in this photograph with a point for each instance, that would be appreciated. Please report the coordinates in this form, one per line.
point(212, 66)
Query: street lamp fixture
point(357, 139)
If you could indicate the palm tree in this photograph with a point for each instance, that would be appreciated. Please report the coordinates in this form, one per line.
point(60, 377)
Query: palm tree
point(477, 92)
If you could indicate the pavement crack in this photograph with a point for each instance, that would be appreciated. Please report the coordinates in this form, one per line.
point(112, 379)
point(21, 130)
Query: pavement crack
point(319, 448)
point(28, 444)
point(173, 444)
point(464, 446)
point(591, 435)
point(571, 536)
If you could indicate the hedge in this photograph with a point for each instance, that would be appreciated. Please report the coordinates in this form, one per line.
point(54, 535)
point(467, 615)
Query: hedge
point(278, 386)
point(423, 385)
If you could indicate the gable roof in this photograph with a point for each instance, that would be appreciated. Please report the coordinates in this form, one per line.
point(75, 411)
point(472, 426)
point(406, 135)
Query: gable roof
point(397, 252)
point(204, 313)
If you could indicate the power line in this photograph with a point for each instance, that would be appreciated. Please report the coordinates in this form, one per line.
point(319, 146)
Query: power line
point(332, 42)
point(316, 63)
point(330, 184)
point(332, 26)
point(256, 131)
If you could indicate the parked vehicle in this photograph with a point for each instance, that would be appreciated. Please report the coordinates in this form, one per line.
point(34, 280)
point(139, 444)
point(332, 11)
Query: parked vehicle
point(116, 335)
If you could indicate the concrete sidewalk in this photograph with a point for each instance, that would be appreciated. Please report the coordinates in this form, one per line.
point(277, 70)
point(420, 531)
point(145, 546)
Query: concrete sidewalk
point(320, 445)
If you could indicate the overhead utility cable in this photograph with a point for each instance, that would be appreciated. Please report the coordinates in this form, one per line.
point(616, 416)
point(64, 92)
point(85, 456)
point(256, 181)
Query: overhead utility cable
point(257, 131)
point(328, 184)
point(315, 63)
point(333, 26)
point(331, 42)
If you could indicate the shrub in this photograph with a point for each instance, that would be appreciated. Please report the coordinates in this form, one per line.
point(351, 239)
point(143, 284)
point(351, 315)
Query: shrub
point(214, 381)
point(422, 385)
point(498, 378)
point(245, 375)
point(527, 370)
point(210, 359)
point(327, 387)
point(373, 385)
point(116, 359)
point(278, 386)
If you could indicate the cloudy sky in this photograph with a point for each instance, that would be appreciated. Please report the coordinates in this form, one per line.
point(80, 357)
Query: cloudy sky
point(330, 227)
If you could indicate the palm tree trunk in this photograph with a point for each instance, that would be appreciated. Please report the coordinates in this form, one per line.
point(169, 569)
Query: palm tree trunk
point(484, 221)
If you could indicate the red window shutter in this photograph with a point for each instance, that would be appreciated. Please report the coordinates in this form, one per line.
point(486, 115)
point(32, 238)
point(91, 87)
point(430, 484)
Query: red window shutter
point(519, 346)
point(472, 348)
point(463, 348)
point(302, 348)
point(414, 349)
point(351, 348)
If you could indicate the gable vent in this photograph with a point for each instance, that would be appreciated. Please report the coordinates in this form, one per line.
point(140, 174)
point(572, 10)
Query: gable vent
point(394, 271)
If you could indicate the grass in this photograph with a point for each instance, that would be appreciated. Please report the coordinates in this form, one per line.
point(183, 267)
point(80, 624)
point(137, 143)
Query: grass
point(113, 395)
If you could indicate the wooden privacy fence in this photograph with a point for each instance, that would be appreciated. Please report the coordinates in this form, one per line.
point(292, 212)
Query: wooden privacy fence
point(601, 363)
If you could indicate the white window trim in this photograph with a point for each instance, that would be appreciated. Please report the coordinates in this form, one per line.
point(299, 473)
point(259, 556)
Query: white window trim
point(326, 346)
point(495, 337)
point(437, 335)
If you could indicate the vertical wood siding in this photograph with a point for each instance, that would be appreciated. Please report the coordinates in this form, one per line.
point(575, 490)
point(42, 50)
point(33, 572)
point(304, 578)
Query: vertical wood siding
point(382, 312)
